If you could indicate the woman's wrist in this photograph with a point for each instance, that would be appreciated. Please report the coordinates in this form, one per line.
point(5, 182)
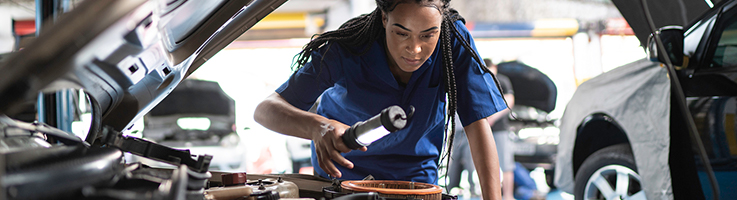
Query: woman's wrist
point(325, 127)
point(318, 126)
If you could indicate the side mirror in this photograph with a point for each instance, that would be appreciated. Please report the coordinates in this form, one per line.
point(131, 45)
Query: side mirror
point(672, 38)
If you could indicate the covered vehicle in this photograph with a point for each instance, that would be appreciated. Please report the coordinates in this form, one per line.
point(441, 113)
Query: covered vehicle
point(630, 99)
point(127, 56)
point(625, 133)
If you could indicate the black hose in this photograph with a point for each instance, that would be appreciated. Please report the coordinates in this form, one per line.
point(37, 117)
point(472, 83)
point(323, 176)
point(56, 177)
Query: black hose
point(96, 124)
point(681, 100)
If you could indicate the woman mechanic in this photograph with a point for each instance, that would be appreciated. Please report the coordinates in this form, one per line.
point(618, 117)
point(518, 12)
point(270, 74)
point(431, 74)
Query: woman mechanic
point(406, 53)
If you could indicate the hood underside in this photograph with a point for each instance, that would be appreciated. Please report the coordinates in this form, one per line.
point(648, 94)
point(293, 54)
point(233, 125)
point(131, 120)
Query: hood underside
point(127, 55)
point(663, 12)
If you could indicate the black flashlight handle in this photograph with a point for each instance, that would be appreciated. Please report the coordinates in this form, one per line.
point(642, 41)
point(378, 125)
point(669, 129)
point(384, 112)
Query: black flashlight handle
point(349, 138)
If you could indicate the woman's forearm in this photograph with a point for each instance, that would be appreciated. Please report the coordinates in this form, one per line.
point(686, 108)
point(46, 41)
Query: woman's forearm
point(485, 158)
point(278, 115)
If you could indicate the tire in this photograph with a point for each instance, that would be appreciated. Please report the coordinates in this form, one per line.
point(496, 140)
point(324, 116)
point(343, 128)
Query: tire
point(609, 173)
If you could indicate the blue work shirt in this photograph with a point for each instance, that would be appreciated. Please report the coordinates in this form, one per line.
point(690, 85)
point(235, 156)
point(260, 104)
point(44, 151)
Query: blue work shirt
point(355, 88)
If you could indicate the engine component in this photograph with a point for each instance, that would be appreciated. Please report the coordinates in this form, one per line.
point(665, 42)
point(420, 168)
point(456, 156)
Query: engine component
point(155, 151)
point(286, 189)
point(266, 189)
point(395, 189)
point(75, 167)
point(234, 179)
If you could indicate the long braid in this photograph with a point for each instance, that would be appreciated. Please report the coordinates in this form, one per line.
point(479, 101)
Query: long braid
point(454, 16)
point(357, 32)
point(450, 86)
point(449, 30)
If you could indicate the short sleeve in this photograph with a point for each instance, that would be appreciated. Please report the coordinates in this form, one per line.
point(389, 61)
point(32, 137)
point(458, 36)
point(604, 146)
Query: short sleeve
point(478, 96)
point(306, 84)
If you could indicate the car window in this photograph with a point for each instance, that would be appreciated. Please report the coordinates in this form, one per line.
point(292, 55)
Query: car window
point(725, 54)
point(694, 35)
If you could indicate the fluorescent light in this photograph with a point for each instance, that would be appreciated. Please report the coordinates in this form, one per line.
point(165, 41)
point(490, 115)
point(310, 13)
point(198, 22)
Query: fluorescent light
point(373, 135)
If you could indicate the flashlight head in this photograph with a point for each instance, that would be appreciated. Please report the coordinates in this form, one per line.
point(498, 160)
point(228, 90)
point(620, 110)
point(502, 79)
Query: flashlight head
point(393, 118)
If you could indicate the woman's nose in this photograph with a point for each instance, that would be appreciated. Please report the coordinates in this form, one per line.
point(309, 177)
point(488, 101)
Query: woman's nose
point(414, 48)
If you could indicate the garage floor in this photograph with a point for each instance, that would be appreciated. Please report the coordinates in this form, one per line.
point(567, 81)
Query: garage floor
point(539, 178)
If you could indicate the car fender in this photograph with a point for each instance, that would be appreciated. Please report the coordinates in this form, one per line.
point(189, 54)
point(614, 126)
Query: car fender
point(638, 96)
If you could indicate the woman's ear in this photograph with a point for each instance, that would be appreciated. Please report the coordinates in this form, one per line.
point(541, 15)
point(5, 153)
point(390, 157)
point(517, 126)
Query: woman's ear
point(383, 19)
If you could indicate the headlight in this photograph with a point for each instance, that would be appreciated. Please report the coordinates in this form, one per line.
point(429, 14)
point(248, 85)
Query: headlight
point(553, 135)
point(541, 136)
point(194, 123)
point(550, 135)
point(529, 132)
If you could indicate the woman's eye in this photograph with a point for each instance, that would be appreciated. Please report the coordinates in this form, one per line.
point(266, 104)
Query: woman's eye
point(401, 34)
point(428, 36)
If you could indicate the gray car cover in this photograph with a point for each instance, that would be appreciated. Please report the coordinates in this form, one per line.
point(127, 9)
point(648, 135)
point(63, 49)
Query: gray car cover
point(637, 96)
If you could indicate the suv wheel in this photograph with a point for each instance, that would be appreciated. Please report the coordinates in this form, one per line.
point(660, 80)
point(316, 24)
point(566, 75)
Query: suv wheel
point(609, 173)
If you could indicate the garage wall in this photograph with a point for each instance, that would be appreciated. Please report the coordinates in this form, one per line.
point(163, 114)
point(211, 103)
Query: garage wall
point(530, 10)
point(9, 11)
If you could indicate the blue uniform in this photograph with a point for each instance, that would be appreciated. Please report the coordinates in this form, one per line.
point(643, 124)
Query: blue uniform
point(355, 88)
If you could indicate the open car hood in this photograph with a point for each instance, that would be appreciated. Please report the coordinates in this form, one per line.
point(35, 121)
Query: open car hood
point(663, 12)
point(127, 55)
point(535, 89)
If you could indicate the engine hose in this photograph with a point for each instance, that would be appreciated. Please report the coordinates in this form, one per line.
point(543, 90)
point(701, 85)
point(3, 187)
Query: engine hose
point(96, 124)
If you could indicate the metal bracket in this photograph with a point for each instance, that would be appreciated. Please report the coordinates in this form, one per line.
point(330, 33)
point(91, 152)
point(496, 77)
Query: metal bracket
point(155, 151)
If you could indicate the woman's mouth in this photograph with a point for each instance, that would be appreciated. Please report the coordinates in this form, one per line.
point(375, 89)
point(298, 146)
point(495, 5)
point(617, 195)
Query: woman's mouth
point(412, 62)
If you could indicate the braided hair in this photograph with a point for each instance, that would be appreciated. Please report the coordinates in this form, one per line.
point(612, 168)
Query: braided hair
point(368, 28)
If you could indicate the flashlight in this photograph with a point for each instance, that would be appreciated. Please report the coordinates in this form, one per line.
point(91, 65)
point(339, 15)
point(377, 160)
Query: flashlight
point(364, 133)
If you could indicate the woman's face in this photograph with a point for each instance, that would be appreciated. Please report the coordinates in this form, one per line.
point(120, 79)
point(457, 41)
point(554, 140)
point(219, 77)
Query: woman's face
point(412, 32)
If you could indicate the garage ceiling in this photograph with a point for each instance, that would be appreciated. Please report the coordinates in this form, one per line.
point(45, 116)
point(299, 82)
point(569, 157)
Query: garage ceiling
point(307, 5)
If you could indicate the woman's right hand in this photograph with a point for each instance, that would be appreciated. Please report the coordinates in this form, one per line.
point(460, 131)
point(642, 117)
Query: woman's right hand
point(329, 145)
point(275, 113)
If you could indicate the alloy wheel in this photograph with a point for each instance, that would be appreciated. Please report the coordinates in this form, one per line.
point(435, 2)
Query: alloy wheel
point(614, 182)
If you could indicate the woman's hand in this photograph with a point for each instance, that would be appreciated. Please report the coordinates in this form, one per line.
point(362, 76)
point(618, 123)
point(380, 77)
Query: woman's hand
point(276, 114)
point(329, 145)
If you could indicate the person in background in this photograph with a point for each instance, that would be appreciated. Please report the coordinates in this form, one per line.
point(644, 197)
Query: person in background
point(405, 53)
point(499, 123)
point(524, 185)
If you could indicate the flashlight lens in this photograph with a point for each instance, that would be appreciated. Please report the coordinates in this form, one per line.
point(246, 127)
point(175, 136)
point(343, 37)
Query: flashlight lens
point(372, 135)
